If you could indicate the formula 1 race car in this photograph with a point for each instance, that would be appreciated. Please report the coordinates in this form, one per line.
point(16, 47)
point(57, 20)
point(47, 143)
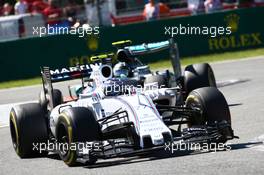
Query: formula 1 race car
point(106, 123)
point(130, 66)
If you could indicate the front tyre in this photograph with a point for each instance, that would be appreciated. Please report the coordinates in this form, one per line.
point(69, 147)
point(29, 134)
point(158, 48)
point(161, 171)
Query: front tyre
point(75, 125)
point(213, 107)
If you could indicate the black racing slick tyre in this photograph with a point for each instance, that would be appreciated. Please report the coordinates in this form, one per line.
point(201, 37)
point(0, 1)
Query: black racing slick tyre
point(28, 128)
point(197, 76)
point(159, 79)
point(57, 95)
point(75, 125)
point(212, 105)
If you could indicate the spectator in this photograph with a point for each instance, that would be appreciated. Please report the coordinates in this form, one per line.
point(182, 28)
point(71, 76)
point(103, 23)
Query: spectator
point(21, 7)
point(196, 6)
point(52, 13)
point(259, 2)
point(121, 4)
point(212, 5)
point(71, 10)
point(154, 10)
point(39, 6)
point(7, 9)
point(246, 3)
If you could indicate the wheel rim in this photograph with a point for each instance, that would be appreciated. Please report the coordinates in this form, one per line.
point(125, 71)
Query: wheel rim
point(63, 141)
point(13, 135)
point(193, 103)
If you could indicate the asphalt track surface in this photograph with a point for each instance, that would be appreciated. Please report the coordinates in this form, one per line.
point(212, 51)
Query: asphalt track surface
point(245, 97)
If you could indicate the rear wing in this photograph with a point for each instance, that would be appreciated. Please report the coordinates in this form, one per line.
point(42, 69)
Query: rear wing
point(47, 85)
point(70, 73)
point(58, 75)
point(96, 73)
point(149, 48)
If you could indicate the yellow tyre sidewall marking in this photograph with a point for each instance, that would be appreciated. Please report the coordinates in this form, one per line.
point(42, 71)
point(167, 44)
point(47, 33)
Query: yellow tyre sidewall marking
point(13, 119)
point(72, 153)
point(192, 97)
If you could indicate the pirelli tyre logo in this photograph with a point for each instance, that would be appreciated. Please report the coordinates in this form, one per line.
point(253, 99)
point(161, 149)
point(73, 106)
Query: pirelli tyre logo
point(237, 40)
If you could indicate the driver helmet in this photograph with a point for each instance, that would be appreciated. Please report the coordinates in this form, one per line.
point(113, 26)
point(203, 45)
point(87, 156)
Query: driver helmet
point(121, 70)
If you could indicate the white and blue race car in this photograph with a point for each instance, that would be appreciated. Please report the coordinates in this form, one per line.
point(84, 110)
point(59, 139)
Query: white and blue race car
point(114, 117)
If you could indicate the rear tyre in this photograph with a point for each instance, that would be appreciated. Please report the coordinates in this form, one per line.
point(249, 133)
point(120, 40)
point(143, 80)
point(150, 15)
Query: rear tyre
point(75, 125)
point(213, 106)
point(57, 95)
point(197, 76)
point(28, 127)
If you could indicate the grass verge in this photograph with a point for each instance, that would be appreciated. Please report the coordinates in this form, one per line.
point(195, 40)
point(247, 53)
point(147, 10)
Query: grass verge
point(20, 83)
point(160, 64)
